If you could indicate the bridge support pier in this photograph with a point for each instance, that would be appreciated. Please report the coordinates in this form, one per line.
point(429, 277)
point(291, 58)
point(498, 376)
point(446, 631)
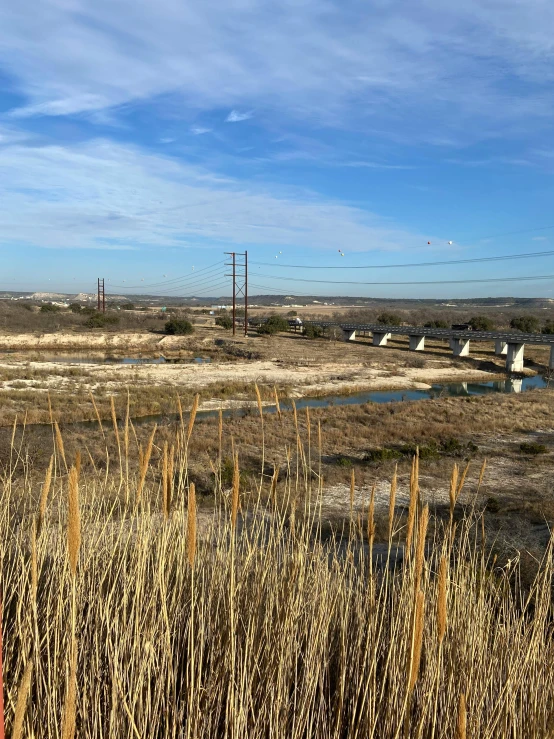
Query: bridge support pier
point(500, 347)
point(551, 362)
point(514, 357)
point(515, 385)
point(417, 343)
point(349, 335)
point(460, 347)
point(380, 338)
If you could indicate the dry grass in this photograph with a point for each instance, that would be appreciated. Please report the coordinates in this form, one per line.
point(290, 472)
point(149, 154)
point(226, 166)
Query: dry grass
point(245, 621)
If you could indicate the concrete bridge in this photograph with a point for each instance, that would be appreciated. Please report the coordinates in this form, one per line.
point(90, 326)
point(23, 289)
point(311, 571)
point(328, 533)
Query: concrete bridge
point(508, 343)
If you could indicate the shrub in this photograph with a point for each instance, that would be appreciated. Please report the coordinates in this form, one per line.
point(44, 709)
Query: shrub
point(75, 307)
point(224, 321)
point(292, 313)
point(273, 325)
point(101, 320)
point(481, 323)
point(389, 319)
point(532, 447)
point(49, 308)
point(527, 324)
point(127, 306)
point(312, 332)
point(440, 323)
point(548, 327)
point(178, 327)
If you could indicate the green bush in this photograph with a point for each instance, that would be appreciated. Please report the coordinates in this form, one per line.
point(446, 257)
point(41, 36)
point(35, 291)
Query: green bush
point(312, 332)
point(75, 307)
point(101, 320)
point(481, 323)
point(49, 308)
point(389, 319)
point(224, 321)
point(437, 324)
point(178, 327)
point(532, 447)
point(292, 313)
point(548, 327)
point(273, 325)
point(527, 324)
point(127, 306)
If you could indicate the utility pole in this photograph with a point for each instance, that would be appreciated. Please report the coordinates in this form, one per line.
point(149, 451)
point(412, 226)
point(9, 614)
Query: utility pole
point(101, 295)
point(240, 285)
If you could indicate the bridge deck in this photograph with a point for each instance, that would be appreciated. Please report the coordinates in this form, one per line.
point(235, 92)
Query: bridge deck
point(510, 337)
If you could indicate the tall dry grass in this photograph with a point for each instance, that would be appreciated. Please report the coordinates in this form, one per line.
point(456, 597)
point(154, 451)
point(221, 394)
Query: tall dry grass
point(239, 618)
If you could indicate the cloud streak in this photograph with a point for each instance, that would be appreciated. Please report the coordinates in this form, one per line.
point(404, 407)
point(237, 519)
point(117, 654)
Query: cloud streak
point(106, 195)
point(236, 117)
point(479, 66)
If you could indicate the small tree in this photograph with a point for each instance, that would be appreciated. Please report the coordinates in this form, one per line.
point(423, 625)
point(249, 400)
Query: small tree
point(312, 332)
point(75, 307)
point(225, 322)
point(49, 308)
point(389, 319)
point(440, 323)
point(101, 320)
point(527, 324)
point(178, 327)
point(481, 323)
point(548, 327)
point(292, 313)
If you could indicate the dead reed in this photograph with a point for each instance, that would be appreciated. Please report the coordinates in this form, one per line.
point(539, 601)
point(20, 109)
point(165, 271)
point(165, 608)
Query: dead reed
point(190, 624)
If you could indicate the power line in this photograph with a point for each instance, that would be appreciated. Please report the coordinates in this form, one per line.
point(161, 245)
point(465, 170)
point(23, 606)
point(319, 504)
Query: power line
point(500, 258)
point(415, 282)
point(173, 280)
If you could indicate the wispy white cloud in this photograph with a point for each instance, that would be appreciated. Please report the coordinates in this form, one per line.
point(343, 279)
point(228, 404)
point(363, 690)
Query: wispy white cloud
point(236, 116)
point(200, 130)
point(104, 194)
point(167, 140)
point(476, 68)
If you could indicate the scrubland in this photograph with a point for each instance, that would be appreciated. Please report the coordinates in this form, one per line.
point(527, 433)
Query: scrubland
point(135, 606)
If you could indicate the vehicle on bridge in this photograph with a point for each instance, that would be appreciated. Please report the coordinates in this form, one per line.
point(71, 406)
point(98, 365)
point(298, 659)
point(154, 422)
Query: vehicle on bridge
point(462, 327)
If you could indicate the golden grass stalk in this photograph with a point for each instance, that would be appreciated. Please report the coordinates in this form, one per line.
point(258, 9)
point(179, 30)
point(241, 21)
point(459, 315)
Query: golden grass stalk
point(420, 547)
point(74, 521)
point(453, 489)
point(193, 412)
point(114, 421)
point(441, 599)
point(259, 400)
point(34, 564)
point(191, 524)
point(43, 500)
point(462, 481)
point(21, 704)
point(78, 464)
point(59, 442)
point(165, 483)
point(371, 519)
point(352, 490)
point(412, 508)
point(144, 462)
point(277, 404)
point(419, 615)
point(235, 493)
point(70, 707)
point(392, 500)
point(461, 723)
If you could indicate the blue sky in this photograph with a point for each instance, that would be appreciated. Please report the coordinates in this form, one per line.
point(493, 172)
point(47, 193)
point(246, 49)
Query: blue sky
point(142, 139)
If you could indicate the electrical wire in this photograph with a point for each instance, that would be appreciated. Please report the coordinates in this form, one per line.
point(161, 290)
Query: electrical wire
point(500, 258)
point(416, 282)
point(173, 280)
